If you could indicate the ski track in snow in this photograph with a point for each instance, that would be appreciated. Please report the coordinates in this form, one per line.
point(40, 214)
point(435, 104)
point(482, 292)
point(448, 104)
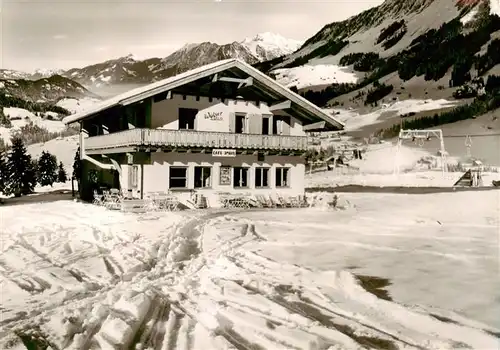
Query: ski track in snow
point(98, 280)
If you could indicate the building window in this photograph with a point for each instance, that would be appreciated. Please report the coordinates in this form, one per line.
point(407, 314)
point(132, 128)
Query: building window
point(210, 99)
point(279, 121)
point(187, 117)
point(239, 125)
point(184, 97)
point(178, 177)
point(282, 177)
point(202, 177)
point(240, 177)
point(135, 176)
point(265, 125)
point(197, 98)
point(261, 177)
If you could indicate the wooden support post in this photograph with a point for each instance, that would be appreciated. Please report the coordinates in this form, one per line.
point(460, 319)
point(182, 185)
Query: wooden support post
point(130, 163)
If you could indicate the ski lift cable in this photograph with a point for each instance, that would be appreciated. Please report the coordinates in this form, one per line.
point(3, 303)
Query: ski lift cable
point(471, 135)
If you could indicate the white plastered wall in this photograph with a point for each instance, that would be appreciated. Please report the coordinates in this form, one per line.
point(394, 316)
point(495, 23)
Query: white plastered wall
point(165, 114)
point(156, 174)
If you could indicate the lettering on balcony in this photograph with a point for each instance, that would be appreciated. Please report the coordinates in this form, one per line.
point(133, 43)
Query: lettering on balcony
point(224, 153)
point(215, 116)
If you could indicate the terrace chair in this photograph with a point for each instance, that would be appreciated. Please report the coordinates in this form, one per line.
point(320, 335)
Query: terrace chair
point(112, 201)
point(98, 198)
point(261, 203)
point(302, 201)
point(274, 203)
point(270, 202)
point(161, 200)
point(149, 203)
point(172, 203)
point(241, 202)
point(224, 200)
point(283, 201)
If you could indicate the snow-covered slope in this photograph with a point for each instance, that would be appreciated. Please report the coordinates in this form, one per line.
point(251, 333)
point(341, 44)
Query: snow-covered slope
point(75, 105)
point(64, 148)
point(363, 29)
point(314, 75)
point(20, 117)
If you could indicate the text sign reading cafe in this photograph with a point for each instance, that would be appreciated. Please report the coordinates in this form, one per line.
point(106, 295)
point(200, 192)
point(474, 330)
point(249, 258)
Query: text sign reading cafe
point(224, 153)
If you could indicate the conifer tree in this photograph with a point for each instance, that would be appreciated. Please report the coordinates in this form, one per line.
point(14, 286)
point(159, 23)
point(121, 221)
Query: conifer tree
point(21, 172)
point(47, 169)
point(61, 174)
point(77, 165)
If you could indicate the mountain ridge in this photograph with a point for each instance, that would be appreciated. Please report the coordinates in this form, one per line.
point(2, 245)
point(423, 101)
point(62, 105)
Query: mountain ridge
point(49, 89)
point(129, 70)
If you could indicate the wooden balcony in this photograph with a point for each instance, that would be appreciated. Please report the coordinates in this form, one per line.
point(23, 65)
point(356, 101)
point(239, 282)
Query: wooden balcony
point(158, 138)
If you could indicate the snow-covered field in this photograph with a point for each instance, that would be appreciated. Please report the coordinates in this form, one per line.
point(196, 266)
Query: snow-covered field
point(314, 74)
point(20, 117)
point(80, 276)
point(354, 120)
point(77, 105)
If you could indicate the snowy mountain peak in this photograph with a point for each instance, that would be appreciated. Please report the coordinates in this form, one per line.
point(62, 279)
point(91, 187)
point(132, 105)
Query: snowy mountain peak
point(267, 46)
point(46, 72)
point(269, 37)
point(128, 58)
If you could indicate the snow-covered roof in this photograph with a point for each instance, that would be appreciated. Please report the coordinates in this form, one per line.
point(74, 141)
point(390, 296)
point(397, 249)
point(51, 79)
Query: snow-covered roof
point(198, 73)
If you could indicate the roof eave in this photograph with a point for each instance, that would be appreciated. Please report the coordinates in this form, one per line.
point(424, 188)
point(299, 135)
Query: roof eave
point(301, 102)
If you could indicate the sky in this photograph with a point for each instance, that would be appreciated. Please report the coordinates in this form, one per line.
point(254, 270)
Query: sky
point(63, 34)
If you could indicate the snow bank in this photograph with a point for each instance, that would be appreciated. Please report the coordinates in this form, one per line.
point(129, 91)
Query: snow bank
point(311, 75)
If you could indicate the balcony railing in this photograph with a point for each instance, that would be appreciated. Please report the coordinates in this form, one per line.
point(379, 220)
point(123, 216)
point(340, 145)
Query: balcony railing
point(189, 138)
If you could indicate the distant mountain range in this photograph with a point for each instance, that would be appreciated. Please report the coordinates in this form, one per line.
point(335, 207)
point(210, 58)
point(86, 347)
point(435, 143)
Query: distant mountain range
point(49, 89)
point(128, 70)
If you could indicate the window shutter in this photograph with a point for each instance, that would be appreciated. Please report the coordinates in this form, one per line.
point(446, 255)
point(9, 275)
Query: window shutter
point(255, 124)
point(232, 120)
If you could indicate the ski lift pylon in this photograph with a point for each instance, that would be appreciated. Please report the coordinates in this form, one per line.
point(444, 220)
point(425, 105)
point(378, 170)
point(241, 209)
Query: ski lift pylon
point(468, 141)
